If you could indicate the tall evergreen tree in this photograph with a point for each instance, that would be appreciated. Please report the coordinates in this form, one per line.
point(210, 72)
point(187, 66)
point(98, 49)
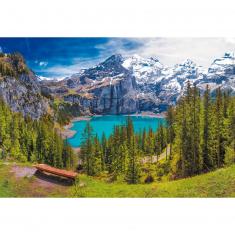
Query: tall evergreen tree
point(170, 125)
point(133, 171)
point(87, 149)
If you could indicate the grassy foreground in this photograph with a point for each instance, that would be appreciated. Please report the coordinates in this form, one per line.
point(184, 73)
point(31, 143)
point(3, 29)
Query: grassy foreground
point(220, 183)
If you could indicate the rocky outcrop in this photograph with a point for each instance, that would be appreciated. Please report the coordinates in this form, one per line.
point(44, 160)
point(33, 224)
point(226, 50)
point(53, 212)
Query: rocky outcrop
point(20, 88)
point(111, 96)
point(22, 99)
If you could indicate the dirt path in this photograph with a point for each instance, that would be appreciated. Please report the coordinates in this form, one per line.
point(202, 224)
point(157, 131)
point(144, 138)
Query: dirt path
point(36, 184)
point(155, 158)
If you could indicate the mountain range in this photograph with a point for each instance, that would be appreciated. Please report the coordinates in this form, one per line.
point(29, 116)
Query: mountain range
point(122, 85)
point(118, 85)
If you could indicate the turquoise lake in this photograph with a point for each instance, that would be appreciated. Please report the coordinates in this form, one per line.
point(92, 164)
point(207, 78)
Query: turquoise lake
point(105, 124)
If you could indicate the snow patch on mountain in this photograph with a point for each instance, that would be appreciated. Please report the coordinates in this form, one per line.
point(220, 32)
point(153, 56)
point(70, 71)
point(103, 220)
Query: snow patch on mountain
point(146, 84)
point(42, 78)
point(144, 70)
point(222, 73)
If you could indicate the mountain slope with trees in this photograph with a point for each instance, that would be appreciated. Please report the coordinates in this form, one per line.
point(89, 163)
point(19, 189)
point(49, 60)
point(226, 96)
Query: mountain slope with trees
point(24, 139)
point(200, 133)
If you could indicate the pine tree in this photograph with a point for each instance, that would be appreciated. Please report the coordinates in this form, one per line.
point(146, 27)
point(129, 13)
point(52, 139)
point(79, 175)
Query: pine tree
point(207, 157)
point(104, 152)
point(129, 131)
point(170, 126)
point(197, 158)
point(97, 157)
point(133, 171)
point(87, 149)
point(219, 128)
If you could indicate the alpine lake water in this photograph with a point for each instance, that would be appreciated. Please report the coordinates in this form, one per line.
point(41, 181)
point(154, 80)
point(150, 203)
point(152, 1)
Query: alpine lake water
point(105, 124)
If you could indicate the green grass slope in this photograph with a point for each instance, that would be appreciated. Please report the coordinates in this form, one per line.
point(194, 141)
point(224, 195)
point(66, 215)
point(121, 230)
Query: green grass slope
point(220, 183)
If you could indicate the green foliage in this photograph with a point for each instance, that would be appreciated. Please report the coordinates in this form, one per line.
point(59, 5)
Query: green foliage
point(229, 156)
point(12, 65)
point(24, 139)
point(121, 154)
point(204, 129)
point(163, 169)
point(219, 183)
point(65, 111)
point(200, 136)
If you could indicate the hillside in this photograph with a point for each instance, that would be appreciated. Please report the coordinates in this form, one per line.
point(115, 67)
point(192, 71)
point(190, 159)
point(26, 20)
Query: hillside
point(220, 183)
point(19, 87)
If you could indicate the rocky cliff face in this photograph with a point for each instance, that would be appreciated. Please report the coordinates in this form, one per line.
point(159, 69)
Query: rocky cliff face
point(116, 95)
point(19, 87)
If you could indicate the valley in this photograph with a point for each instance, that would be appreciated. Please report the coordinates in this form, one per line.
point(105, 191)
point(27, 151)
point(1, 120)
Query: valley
point(142, 129)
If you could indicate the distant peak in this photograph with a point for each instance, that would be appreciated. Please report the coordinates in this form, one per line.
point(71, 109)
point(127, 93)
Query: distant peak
point(115, 57)
point(136, 56)
point(188, 63)
point(154, 58)
point(228, 55)
point(227, 59)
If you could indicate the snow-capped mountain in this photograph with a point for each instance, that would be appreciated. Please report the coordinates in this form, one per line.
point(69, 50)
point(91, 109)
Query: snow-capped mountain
point(144, 70)
point(132, 84)
point(222, 73)
point(175, 79)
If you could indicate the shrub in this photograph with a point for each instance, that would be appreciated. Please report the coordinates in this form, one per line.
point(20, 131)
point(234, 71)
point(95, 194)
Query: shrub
point(229, 156)
point(149, 179)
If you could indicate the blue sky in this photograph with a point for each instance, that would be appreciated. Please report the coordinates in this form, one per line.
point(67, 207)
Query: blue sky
point(60, 57)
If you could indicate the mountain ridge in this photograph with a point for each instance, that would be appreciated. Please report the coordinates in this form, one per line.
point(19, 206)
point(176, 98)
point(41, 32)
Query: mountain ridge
point(118, 85)
point(144, 84)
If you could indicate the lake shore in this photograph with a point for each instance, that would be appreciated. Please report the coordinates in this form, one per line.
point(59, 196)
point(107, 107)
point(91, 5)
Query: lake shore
point(149, 114)
point(66, 132)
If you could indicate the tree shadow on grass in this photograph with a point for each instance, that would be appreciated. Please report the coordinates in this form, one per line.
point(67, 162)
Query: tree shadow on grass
point(53, 179)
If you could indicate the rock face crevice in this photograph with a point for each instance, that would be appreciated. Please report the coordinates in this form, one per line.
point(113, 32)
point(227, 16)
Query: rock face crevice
point(119, 97)
point(23, 97)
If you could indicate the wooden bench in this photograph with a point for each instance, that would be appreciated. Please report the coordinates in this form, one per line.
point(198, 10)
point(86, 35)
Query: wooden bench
point(55, 171)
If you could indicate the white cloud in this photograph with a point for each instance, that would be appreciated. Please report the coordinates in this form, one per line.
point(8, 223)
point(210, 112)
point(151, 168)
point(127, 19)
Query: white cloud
point(174, 50)
point(61, 69)
point(230, 40)
point(171, 51)
point(113, 46)
point(43, 63)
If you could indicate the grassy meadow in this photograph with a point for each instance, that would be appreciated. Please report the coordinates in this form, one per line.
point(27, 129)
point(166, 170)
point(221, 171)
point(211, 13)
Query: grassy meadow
point(220, 183)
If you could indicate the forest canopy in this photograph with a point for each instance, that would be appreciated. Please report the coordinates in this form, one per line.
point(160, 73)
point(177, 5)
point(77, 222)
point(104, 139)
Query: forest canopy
point(199, 137)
